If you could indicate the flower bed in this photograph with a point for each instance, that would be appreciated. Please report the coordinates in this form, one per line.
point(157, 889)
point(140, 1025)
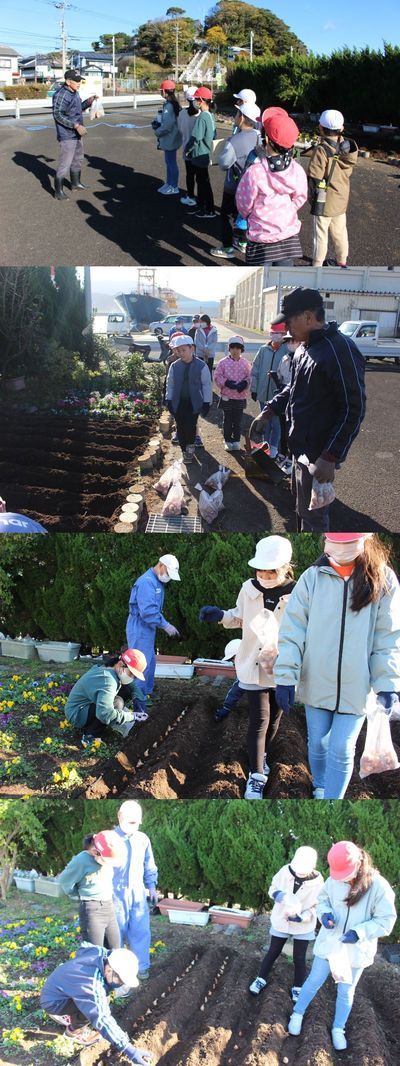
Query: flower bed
point(127, 406)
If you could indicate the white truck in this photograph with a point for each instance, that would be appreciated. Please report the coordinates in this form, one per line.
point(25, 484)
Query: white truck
point(111, 325)
point(365, 334)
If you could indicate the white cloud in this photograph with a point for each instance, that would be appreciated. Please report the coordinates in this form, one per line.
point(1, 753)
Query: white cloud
point(328, 27)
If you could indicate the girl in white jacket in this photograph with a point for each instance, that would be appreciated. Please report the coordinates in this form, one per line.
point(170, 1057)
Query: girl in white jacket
point(355, 907)
point(295, 890)
point(259, 609)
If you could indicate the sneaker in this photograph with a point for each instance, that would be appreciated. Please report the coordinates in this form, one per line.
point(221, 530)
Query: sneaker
point(188, 201)
point(171, 191)
point(240, 245)
point(266, 768)
point(83, 1036)
point(198, 443)
point(209, 214)
point(122, 992)
point(339, 1039)
point(319, 793)
point(144, 975)
point(164, 188)
point(235, 446)
point(255, 786)
point(223, 253)
point(295, 1024)
point(228, 446)
point(174, 439)
point(295, 992)
point(257, 986)
point(188, 455)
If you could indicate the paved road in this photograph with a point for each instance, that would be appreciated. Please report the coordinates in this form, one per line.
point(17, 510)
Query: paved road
point(121, 219)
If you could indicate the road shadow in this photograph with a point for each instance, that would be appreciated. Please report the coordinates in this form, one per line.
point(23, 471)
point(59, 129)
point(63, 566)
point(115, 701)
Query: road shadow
point(33, 165)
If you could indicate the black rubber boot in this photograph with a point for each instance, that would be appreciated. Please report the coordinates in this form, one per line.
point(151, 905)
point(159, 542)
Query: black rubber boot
point(58, 189)
point(76, 182)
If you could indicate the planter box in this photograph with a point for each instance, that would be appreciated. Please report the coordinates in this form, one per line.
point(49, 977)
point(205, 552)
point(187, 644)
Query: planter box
point(166, 905)
point(57, 651)
point(214, 668)
point(227, 916)
point(19, 649)
point(25, 884)
point(174, 669)
point(181, 917)
point(45, 886)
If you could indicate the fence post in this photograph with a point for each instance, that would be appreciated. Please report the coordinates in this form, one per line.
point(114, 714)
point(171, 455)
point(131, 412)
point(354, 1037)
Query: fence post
point(17, 109)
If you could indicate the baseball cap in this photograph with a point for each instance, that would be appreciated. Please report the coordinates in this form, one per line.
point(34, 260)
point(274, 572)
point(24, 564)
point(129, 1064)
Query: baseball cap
point(344, 860)
point(72, 74)
point(167, 85)
point(249, 110)
point(296, 302)
point(304, 861)
point(203, 93)
point(126, 965)
point(236, 339)
point(190, 91)
point(247, 96)
point(135, 661)
point(232, 649)
point(178, 340)
point(172, 565)
point(280, 128)
point(331, 119)
point(108, 844)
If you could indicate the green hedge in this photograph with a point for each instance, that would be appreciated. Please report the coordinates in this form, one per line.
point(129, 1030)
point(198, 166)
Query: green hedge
point(25, 92)
point(76, 586)
point(222, 850)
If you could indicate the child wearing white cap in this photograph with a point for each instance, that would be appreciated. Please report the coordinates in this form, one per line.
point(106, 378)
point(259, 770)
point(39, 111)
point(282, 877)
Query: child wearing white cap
point(232, 377)
point(332, 162)
point(294, 890)
point(188, 392)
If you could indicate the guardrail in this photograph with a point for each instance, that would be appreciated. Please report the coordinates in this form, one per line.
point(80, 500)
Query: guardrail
point(16, 107)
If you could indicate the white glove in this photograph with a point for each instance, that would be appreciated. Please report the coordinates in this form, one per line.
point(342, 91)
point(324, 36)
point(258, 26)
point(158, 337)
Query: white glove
point(170, 630)
point(118, 703)
point(124, 728)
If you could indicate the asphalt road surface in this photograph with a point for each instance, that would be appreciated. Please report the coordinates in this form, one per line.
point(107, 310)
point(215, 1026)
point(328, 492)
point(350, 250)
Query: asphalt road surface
point(122, 220)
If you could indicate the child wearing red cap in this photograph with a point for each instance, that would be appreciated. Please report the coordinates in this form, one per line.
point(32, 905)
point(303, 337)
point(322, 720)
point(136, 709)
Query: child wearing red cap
point(271, 192)
point(355, 907)
point(198, 151)
point(232, 377)
point(339, 639)
point(89, 879)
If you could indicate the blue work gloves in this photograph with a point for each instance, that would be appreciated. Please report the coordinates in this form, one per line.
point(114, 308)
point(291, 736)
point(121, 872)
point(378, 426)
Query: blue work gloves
point(295, 918)
point(139, 1055)
point(349, 938)
point(285, 697)
point(278, 896)
point(205, 409)
point(241, 385)
point(210, 614)
point(387, 701)
point(328, 920)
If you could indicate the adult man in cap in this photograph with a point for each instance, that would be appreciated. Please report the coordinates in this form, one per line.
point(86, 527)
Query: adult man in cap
point(325, 400)
point(179, 326)
point(67, 113)
point(134, 879)
point(94, 703)
point(232, 159)
point(76, 993)
point(146, 603)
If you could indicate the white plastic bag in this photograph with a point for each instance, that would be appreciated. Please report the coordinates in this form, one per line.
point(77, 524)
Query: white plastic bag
point(210, 506)
point(379, 754)
point(265, 627)
point(172, 474)
point(340, 965)
point(290, 904)
point(174, 501)
point(96, 110)
point(219, 479)
point(322, 494)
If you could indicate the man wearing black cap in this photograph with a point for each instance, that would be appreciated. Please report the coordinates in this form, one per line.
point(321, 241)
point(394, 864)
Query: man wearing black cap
point(67, 114)
point(324, 401)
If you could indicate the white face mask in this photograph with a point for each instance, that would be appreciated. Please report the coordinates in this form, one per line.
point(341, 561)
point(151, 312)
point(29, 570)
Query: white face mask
point(346, 552)
point(267, 583)
point(126, 677)
point(164, 578)
point(129, 828)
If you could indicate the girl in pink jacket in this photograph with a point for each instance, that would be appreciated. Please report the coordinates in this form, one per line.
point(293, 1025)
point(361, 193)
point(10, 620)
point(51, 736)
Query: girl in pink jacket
point(233, 376)
point(270, 194)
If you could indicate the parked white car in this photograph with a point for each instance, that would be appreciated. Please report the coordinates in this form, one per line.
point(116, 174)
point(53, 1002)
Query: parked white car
point(365, 334)
point(163, 327)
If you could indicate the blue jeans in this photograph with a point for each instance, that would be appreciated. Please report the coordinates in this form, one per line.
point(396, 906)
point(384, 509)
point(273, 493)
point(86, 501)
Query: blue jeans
point(332, 739)
point(172, 167)
point(272, 430)
point(233, 696)
point(345, 993)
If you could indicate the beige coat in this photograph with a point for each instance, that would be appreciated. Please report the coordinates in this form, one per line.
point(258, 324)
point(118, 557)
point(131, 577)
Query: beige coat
point(338, 191)
point(249, 607)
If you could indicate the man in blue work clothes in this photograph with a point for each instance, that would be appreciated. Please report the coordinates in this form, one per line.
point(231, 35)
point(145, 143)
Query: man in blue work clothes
point(76, 993)
point(133, 879)
point(67, 113)
point(145, 616)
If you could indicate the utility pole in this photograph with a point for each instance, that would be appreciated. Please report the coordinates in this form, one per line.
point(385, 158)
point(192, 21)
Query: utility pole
point(251, 45)
point(176, 50)
point(113, 65)
point(61, 6)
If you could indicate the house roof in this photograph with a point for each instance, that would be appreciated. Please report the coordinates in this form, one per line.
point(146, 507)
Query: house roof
point(5, 50)
point(97, 56)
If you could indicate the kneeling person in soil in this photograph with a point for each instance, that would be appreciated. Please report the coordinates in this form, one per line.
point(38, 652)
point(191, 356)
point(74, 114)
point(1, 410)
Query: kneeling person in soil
point(188, 393)
point(77, 993)
point(89, 879)
point(94, 703)
point(295, 890)
point(233, 376)
point(355, 907)
point(67, 114)
point(259, 610)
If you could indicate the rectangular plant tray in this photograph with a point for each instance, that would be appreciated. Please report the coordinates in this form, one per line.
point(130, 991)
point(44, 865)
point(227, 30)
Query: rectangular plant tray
point(57, 651)
point(25, 884)
point(19, 649)
point(213, 668)
point(228, 916)
point(45, 887)
point(166, 905)
point(189, 917)
point(174, 670)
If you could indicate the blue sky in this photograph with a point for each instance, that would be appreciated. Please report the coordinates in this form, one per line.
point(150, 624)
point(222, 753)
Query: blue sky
point(33, 25)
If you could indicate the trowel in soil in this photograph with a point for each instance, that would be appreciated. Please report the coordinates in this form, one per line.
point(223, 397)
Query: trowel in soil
point(259, 464)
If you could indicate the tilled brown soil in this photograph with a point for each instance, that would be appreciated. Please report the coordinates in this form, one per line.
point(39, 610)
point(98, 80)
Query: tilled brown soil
point(70, 474)
point(182, 753)
point(196, 1009)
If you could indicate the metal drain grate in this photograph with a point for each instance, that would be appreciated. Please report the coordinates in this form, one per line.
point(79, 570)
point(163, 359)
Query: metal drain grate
point(156, 523)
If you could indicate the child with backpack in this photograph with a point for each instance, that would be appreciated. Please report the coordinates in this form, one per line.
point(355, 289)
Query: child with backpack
point(332, 162)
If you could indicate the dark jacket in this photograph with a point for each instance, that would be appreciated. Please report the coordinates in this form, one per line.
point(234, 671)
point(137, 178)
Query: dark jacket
point(325, 397)
point(67, 112)
point(82, 980)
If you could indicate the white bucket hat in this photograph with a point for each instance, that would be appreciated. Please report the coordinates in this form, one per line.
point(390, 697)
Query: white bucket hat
point(304, 861)
point(232, 649)
point(125, 964)
point(172, 565)
point(271, 553)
